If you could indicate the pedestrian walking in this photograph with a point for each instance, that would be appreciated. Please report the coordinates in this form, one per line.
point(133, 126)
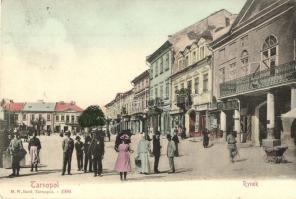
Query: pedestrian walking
point(15, 149)
point(123, 163)
point(97, 152)
point(183, 134)
point(171, 149)
point(156, 150)
point(34, 148)
point(79, 152)
point(87, 154)
point(143, 154)
point(68, 146)
point(176, 141)
point(205, 133)
point(231, 142)
point(109, 136)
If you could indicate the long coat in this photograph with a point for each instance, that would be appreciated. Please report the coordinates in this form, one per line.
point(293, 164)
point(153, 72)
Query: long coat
point(15, 146)
point(143, 153)
point(156, 146)
point(68, 145)
point(171, 148)
point(97, 147)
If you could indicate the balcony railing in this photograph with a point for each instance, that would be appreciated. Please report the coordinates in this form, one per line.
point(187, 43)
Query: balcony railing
point(157, 102)
point(281, 74)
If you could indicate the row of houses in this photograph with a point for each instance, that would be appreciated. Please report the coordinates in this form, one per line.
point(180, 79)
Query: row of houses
point(54, 117)
point(226, 72)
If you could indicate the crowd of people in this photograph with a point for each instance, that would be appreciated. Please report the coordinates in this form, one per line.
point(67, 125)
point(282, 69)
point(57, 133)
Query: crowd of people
point(90, 153)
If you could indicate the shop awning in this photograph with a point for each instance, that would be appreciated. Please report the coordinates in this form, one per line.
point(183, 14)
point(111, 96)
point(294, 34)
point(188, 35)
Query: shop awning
point(290, 114)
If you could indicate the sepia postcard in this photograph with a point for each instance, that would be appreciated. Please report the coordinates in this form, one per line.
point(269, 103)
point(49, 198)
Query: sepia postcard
point(103, 99)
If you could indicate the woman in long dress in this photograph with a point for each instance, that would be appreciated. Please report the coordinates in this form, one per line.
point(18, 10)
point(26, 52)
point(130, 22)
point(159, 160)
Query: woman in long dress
point(123, 163)
point(143, 154)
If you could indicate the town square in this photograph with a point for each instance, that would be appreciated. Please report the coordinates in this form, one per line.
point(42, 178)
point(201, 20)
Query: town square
point(119, 94)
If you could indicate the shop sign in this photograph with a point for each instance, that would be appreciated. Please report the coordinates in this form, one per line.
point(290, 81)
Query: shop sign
point(229, 105)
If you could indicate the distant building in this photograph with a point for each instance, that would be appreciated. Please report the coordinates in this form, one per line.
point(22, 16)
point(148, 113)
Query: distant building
point(140, 102)
point(66, 117)
point(40, 110)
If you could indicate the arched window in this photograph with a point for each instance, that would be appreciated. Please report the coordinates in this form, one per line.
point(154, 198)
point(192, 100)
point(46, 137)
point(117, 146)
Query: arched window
point(270, 52)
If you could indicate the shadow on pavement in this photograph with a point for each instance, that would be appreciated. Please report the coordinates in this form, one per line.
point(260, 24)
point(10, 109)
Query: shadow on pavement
point(147, 177)
point(241, 160)
point(40, 172)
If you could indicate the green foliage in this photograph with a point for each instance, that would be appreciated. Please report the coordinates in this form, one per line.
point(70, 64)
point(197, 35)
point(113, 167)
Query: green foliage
point(92, 116)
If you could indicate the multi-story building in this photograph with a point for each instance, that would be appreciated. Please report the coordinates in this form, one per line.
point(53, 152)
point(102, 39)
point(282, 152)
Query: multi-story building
point(39, 111)
point(160, 63)
point(118, 112)
point(255, 70)
point(191, 77)
point(140, 102)
point(13, 113)
point(66, 117)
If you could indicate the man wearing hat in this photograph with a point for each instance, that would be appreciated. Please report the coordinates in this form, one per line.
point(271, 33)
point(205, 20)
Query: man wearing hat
point(68, 146)
point(87, 155)
point(79, 153)
point(15, 147)
point(156, 150)
point(97, 152)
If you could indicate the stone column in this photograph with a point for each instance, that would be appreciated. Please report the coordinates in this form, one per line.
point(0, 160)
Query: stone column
point(270, 115)
point(270, 141)
point(223, 121)
point(293, 98)
point(237, 126)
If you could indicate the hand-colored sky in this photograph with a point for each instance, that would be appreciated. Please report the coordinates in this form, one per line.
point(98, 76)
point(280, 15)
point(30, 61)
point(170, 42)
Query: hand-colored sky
point(87, 51)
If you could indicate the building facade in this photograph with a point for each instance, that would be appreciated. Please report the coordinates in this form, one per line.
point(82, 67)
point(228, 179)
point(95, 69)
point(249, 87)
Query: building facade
point(159, 103)
point(40, 111)
point(140, 102)
point(192, 74)
point(255, 71)
point(66, 117)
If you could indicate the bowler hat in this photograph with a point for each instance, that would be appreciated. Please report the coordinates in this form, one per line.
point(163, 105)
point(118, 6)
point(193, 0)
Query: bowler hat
point(77, 137)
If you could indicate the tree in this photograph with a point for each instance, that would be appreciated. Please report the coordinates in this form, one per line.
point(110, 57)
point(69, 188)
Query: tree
point(92, 116)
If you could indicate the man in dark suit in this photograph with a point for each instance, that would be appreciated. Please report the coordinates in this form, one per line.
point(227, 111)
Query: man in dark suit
point(79, 153)
point(97, 152)
point(176, 141)
point(87, 155)
point(156, 150)
point(68, 146)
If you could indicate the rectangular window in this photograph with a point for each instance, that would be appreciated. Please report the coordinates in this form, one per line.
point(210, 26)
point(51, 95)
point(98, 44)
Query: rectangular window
point(63, 118)
point(156, 69)
point(24, 116)
point(222, 74)
point(205, 82)
point(167, 62)
point(156, 92)
point(57, 118)
point(48, 117)
point(202, 52)
point(189, 86)
point(167, 90)
point(161, 65)
point(186, 61)
point(77, 118)
point(67, 118)
point(16, 116)
point(161, 91)
point(193, 56)
point(32, 117)
point(196, 85)
point(232, 70)
point(72, 119)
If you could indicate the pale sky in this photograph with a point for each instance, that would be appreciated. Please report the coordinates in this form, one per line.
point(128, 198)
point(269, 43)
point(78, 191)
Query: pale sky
point(87, 50)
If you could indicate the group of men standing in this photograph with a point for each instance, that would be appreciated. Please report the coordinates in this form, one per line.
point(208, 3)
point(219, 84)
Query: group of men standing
point(92, 150)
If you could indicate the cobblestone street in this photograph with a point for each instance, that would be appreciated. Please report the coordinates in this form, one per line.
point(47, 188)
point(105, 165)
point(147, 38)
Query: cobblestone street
point(194, 162)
